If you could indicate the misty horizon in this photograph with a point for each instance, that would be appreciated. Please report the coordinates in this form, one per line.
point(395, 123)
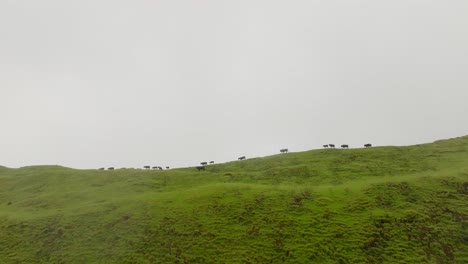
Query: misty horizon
point(337, 146)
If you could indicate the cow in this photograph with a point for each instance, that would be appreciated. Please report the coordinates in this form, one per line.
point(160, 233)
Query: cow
point(200, 168)
point(344, 146)
point(331, 145)
point(147, 167)
point(204, 163)
point(101, 168)
point(212, 162)
point(241, 158)
point(110, 168)
point(368, 145)
point(167, 167)
point(284, 150)
point(160, 168)
point(325, 146)
point(155, 167)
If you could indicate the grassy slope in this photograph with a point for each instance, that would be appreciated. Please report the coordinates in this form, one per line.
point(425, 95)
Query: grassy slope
point(378, 205)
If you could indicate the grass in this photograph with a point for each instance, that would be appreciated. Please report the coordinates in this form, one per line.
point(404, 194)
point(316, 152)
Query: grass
point(375, 205)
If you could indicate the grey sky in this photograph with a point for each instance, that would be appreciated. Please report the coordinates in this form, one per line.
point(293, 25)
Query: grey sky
point(97, 83)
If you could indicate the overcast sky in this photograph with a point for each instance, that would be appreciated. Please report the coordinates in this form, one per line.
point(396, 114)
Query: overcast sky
point(99, 83)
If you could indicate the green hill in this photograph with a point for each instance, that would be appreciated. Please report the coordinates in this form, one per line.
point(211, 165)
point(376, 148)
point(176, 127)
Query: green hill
point(373, 205)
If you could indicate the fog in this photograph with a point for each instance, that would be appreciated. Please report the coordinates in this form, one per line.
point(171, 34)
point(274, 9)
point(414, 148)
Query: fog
point(89, 84)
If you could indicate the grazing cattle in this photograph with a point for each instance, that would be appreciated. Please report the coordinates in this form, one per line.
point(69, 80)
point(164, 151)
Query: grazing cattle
point(101, 168)
point(155, 167)
point(147, 167)
point(160, 168)
point(368, 145)
point(211, 162)
point(110, 168)
point(344, 146)
point(167, 167)
point(204, 163)
point(200, 168)
point(331, 145)
point(325, 146)
point(284, 150)
point(241, 158)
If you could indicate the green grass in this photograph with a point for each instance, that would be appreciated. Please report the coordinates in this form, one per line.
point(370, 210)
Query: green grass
point(376, 205)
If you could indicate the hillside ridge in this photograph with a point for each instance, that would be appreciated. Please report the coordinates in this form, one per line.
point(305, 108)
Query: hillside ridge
point(461, 139)
point(366, 205)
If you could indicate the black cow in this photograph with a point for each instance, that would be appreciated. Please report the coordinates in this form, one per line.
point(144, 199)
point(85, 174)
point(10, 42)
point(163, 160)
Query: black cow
point(101, 168)
point(160, 168)
point(368, 145)
point(284, 150)
point(200, 168)
point(147, 167)
point(167, 167)
point(344, 146)
point(155, 167)
point(325, 146)
point(331, 145)
point(204, 163)
point(241, 158)
point(110, 168)
point(211, 162)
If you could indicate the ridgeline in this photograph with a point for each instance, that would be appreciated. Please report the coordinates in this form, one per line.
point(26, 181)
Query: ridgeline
point(367, 205)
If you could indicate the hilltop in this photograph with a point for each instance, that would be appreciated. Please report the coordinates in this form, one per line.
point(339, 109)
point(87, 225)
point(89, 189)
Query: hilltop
point(370, 205)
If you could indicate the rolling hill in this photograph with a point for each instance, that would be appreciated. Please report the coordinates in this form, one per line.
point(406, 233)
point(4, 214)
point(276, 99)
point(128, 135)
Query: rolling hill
point(370, 205)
